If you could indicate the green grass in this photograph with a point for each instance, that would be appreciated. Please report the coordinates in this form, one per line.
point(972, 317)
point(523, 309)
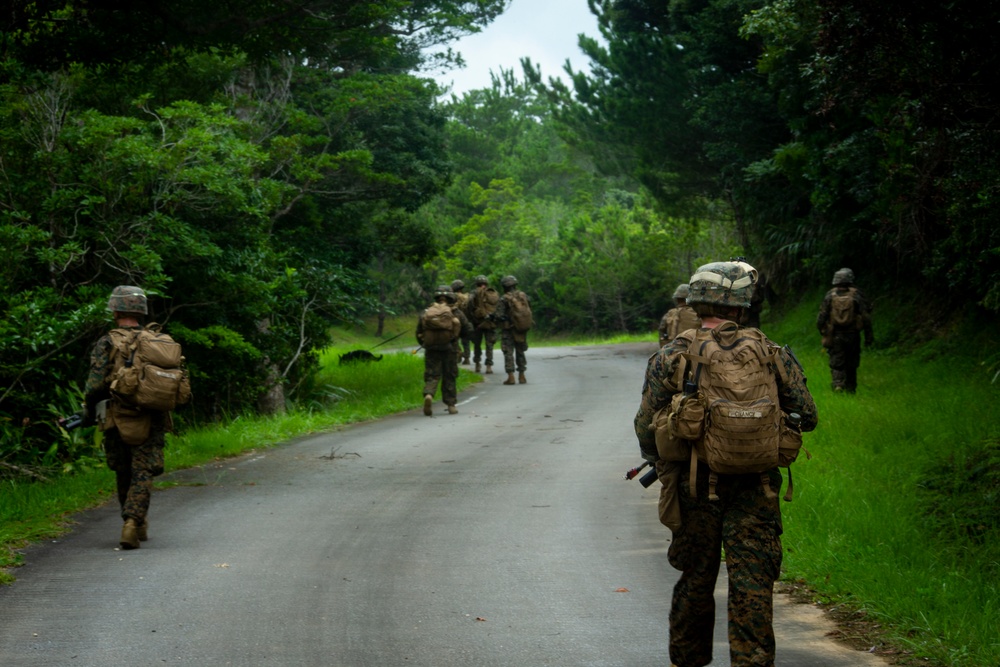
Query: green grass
point(870, 527)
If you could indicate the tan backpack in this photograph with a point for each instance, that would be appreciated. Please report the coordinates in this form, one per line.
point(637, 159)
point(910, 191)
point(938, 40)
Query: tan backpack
point(844, 311)
point(483, 304)
point(440, 326)
point(728, 414)
point(680, 319)
point(148, 371)
point(519, 311)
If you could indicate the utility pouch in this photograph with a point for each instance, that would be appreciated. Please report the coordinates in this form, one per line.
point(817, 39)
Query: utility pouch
point(133, 425)
point(789, 445)
point(669, 506)
point(668, 446)
point(687, 417)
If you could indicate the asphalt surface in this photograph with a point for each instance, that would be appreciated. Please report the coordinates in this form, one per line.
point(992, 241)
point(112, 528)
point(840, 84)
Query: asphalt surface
point(504, 535)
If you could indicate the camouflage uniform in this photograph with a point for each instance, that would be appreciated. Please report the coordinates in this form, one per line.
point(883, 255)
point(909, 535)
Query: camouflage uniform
point(135, 466)
point(844, 343)
point(461, 302)
point(743, 521)
point(513, 343)
point(484, 335)
point(441, 361)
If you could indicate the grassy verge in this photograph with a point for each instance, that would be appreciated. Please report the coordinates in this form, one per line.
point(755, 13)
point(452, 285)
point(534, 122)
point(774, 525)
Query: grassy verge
point(895, 516)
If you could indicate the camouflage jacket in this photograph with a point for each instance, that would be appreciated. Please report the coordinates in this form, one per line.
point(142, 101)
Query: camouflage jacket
point(102, 363)
point(658, 389)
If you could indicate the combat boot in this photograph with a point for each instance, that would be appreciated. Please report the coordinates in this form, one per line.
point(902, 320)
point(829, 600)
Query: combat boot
point(489, 370)
point(130, 538)
point(510, 379)
point(479, 368)
point(465, 360)
point(428, 403)
point(142, 531)
point(521, 378)
point(452, 410)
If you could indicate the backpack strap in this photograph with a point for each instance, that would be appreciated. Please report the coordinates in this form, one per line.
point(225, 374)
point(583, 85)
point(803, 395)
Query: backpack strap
point(693, 476)
point(788, 493)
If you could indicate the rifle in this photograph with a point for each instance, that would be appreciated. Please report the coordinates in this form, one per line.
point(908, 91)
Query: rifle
point(71, 422)
point(646, 479)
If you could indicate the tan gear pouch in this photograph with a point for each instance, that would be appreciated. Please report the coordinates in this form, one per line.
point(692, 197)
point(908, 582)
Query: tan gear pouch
point(670, 503)
point(789, 445)
point(668, 447)
point(133, 425)
point(687, 419)
point(126, 381)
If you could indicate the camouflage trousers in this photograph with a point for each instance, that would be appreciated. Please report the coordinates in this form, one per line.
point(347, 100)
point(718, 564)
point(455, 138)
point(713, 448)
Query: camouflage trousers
point(135, 467)
point(483, 340)
point(513, 351)
point(748, 525)
point(845, 357)
point(441, 367)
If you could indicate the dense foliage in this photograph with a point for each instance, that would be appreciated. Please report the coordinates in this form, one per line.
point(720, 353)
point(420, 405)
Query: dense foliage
point(243, 164)
point(837, 132)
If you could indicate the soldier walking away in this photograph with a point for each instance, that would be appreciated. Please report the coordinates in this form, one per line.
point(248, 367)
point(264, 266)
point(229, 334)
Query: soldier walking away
point(709, 511)
point(133, 437)
point(462, 301)
point(483, 303)
point(513, 313)
point(843, 316)
point(439, 330)
point(679, 318)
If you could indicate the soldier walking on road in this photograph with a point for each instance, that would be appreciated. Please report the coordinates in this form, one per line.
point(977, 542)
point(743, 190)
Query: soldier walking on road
point(844, 314)
point(679, 318)
point(133, 439)
point(483, 303)
point(735, 512)
point(514, 315)
point(439, 330)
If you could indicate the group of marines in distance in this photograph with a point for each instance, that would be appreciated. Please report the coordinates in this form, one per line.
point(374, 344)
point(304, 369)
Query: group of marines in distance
point(460, 325)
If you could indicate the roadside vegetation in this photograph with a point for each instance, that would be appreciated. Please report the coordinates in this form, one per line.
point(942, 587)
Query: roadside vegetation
point(896, 519)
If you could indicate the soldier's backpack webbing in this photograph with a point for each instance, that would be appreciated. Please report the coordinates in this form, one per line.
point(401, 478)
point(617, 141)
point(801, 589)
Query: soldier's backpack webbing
point(440, 325)
point(735, 376)
point(519, 311)
point(148, 370)
point(484, 303)
point(843, 310)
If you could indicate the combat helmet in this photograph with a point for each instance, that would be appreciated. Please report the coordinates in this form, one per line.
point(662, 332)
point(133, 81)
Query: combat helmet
point(127, 299)
point(723, 284)
point(843, 277)
point(682, 291)
point(508, 281)
point(457, 285)
point(482, 280)
point(445, 291)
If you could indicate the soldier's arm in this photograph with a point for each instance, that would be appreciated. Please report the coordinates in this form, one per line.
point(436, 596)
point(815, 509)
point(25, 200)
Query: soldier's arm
point(97, 386)
point(467, 327)
point(657, 390)
point(794, 395)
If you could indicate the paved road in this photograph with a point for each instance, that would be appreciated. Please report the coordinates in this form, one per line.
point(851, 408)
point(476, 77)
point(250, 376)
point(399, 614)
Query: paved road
point(504, 535)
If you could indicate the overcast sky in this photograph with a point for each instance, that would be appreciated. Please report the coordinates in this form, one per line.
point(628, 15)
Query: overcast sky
point(544, 30)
